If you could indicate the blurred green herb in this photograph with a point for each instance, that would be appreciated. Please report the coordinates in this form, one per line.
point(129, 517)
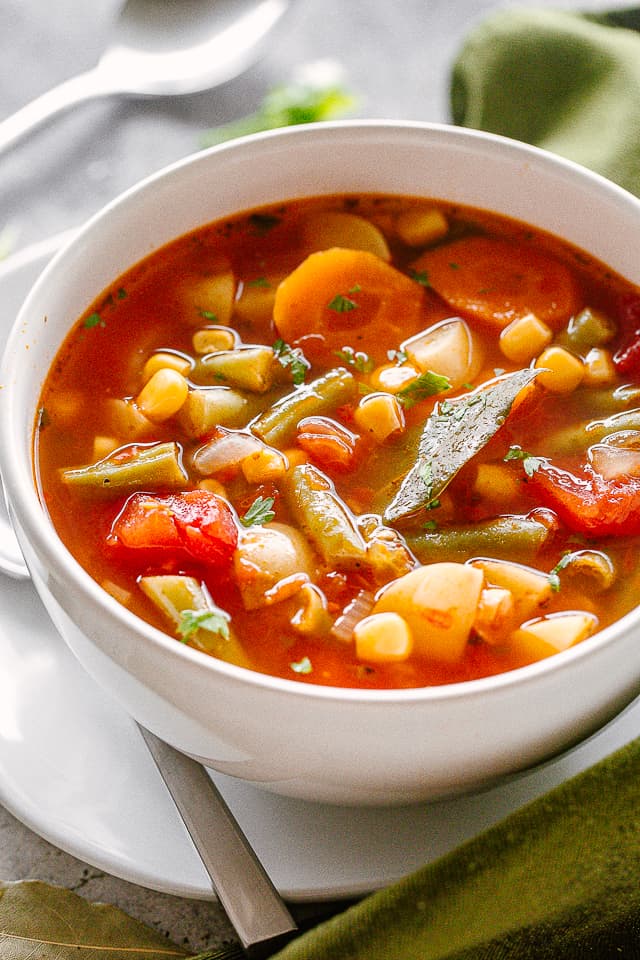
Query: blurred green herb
point(259, 512)
point(294, 359)
point(317, 94)
point(215, 621)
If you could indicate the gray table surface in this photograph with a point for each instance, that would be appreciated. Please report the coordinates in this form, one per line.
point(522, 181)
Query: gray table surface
point(396, 57)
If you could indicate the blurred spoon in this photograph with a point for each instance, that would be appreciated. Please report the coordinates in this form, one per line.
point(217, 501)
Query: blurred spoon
point(161, 49)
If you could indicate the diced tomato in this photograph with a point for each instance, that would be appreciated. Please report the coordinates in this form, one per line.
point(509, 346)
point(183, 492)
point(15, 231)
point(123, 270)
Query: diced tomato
point(589, 504)
point(330, 445)
point(626, 359)
point(196, 523)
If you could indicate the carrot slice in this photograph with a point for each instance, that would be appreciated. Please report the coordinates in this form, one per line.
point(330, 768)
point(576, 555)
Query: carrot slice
point(340, 298)
point(499, 280)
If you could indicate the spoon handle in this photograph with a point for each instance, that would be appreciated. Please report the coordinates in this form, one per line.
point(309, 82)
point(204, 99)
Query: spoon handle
point(84, 86)
point(251, 902)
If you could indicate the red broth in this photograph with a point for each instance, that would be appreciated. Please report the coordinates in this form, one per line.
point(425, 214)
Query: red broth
point(335, 465)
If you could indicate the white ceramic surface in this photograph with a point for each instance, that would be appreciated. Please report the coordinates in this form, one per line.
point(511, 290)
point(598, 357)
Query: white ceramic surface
point(321, 743)
point(74, 769)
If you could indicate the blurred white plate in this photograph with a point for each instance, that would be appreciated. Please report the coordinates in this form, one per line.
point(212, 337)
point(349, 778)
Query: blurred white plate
point(74, 769)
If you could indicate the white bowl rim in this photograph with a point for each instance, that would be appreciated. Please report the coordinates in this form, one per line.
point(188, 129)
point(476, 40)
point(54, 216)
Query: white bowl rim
point(55, 552)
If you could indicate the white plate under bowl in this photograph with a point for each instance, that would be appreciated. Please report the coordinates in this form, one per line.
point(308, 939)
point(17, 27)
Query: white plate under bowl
point(74, 769)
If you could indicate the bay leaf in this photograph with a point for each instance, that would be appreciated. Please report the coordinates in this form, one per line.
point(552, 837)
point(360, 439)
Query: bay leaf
point(38, 920)
point(455, 431)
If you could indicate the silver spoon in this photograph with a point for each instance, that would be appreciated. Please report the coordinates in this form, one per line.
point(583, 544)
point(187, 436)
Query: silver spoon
point(161, 49)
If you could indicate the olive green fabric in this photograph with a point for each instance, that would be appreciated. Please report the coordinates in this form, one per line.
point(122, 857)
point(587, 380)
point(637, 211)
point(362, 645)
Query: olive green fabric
point(560, 878)
point(557, 880)
point(565, 82)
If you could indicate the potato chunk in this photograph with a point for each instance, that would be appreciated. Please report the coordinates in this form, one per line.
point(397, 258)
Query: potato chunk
point(439, 602)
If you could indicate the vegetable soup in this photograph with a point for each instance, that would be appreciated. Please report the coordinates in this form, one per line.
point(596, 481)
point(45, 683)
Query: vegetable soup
point(358, 441)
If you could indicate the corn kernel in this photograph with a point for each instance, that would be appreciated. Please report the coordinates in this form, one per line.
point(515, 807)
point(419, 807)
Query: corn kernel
point(263, 465)
point(103, 446)
point(496, 482)
point(524, 338)
point(163, 395)
point(564, 371)
point(379, 415)
point(212, 339)
point(383, 638)
point(295, 457)
point(421, 225)
point(212, 486)
point(393, 378)
point(599, 370)
point(164, 360)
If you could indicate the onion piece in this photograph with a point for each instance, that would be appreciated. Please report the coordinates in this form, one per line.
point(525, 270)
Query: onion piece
point(617, 455)
point(225, 452)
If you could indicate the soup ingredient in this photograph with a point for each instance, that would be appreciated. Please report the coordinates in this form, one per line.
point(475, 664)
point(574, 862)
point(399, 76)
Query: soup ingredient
point(195, 523)
point(130, 468)
point(347, 297)
point(187, 604)
point(498, 281)
point(383, 638)
point(278, 424)
point(587, 503)
point(507, 536)
point(548, 635)
point(455, 432)
point(439, 604)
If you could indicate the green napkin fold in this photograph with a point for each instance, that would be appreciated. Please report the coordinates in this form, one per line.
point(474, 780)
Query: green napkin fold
point(567, 82)
point(559, 879)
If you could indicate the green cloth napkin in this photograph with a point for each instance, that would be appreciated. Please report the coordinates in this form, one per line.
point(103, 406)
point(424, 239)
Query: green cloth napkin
point(560, 878)
point(565, 82)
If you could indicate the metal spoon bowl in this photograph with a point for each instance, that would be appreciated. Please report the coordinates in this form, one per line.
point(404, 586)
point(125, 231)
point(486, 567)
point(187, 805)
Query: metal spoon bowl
point(161, 49)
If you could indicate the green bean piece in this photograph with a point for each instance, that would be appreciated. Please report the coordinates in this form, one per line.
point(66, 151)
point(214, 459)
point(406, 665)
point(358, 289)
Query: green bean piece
point(456, 430)
point(590, 328)
point(157, 466)
point(505, 538)
point(324, 517)
point(249, 368)
point(582, 435)
point(209, 407)
point(277, 426)
point(187, 604)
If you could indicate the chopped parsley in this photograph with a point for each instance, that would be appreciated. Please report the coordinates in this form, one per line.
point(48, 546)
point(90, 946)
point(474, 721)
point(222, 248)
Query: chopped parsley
point(121, 294)
point(293, 358)
point(94, 320)
point(421, 277)
point(258, 282)
point(530, 463)
point(262, 223)
point(302, 666)
point(315, 94)
point(208, 315)
point(397, 356)
point(342, 304)
point(554, 578)
point(214, 620)
point(357, 359)
point(426, 385)
point(259, 512)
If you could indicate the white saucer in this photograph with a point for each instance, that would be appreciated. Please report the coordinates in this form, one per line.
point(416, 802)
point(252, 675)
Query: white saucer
point(74, 769)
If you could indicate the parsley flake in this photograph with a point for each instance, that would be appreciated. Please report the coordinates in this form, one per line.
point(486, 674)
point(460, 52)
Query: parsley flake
point(421, 277)
point(357, 359)
point(258, 282)
point(554, 578)
point(293, 358)
point(342, 304)
point(259, 512)
point(302, 666)
point(208, 315)
point(530, 463)
point(214, 620)
point(426, 385)
point(94, 320)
